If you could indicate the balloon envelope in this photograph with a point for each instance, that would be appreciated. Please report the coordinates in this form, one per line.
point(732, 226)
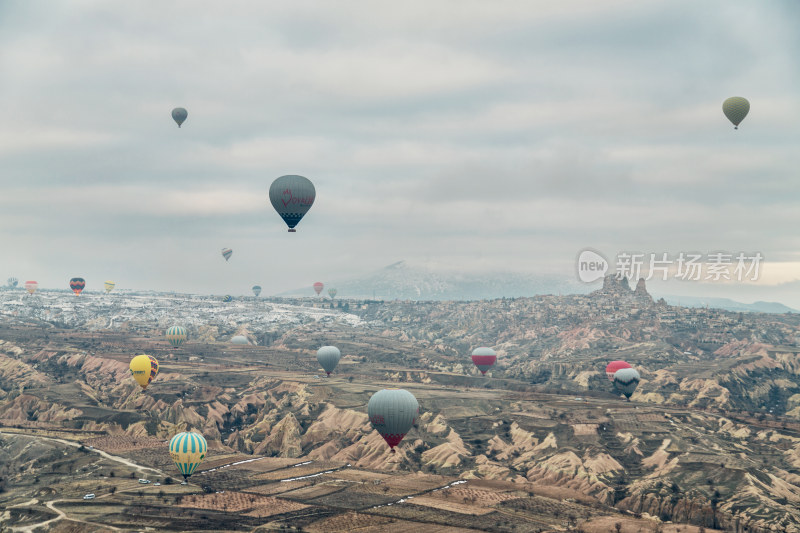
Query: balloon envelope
point(227, 298)
point(392, 412)
point(179, 115)
point(318, 286)
point(736, 108)
point(292, 196)
point(240, 339)
point(187, 449)
point(31, 286)
point(227, 253)
point(144, 369)
point(256, 290)
point(332, 293)
point(177, 335)
point(77, 285)
point(626, 381)
point(613, 366)
point(328, 357)
point(484, 358)
point(109, 286)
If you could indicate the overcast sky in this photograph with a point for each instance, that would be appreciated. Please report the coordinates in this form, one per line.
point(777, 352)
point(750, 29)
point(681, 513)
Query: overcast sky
point(470, 134)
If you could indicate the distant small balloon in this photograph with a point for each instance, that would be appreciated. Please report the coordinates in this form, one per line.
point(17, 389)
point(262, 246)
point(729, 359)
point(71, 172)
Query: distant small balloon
point(256, 290)
point(179, 115)
point(109, 286)
point(332, 293)
point(318, 286)
point(227, 298)
point(177, 335)
point(12, 282)
point(239, 339)
point(736, 108)
point(227, 253)
point(77, 285)
point(31, 286)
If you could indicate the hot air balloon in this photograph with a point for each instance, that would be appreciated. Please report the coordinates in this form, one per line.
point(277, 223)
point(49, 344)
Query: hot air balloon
point(179, 115)
point(239, 339)
point(31, 286)
point(256, 290)
point(318, 286)
point(177, 335)
point(13, 282)
point(736, 108)
point(77, 285)
point(328, 357)
point(292, 196)
point(613, 366)
point(109, 286)
point(392, 412)
point(626, 380)
point(332, 293)
point(144, 369)
point(227, 298)
point(187, 449)
point(227, 253)
point(484, 358)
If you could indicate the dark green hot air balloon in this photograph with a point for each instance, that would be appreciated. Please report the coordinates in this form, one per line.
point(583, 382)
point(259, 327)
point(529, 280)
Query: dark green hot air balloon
point(736, 108)
point(179, 115)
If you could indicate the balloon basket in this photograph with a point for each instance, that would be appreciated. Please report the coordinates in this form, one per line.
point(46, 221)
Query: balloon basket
point(292, 230)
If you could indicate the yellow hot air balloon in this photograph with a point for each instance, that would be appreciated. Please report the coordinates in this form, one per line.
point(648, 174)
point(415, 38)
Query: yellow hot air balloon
point(144, 369)
point(109, 286)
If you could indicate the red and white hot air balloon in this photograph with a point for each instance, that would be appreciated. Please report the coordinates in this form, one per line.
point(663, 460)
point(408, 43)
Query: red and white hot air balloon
point(613, 366)
point(318, 286)
point(484, 358)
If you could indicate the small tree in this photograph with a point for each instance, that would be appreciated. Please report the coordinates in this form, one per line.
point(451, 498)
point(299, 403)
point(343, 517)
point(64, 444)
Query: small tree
point(618, 526)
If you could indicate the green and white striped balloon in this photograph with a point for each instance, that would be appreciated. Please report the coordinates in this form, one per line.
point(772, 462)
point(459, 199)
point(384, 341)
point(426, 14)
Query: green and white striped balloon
point(177, 335)
point(187, 451)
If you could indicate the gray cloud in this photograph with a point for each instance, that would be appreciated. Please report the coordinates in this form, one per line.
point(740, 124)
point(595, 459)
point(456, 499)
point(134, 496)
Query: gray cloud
point(505, 136)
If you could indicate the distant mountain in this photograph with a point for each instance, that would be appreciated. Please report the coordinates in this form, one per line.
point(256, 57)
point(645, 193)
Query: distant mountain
point(729, 305)
point(402, 281)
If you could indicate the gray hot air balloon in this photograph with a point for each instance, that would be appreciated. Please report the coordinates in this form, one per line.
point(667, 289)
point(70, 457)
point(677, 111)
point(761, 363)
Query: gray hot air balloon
point(392, 412)
point(736, 108)
point(256, 290)
point(626, 380)
point(179, 115)
point(240, 339)
point(328, 357)
point(292, 196)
